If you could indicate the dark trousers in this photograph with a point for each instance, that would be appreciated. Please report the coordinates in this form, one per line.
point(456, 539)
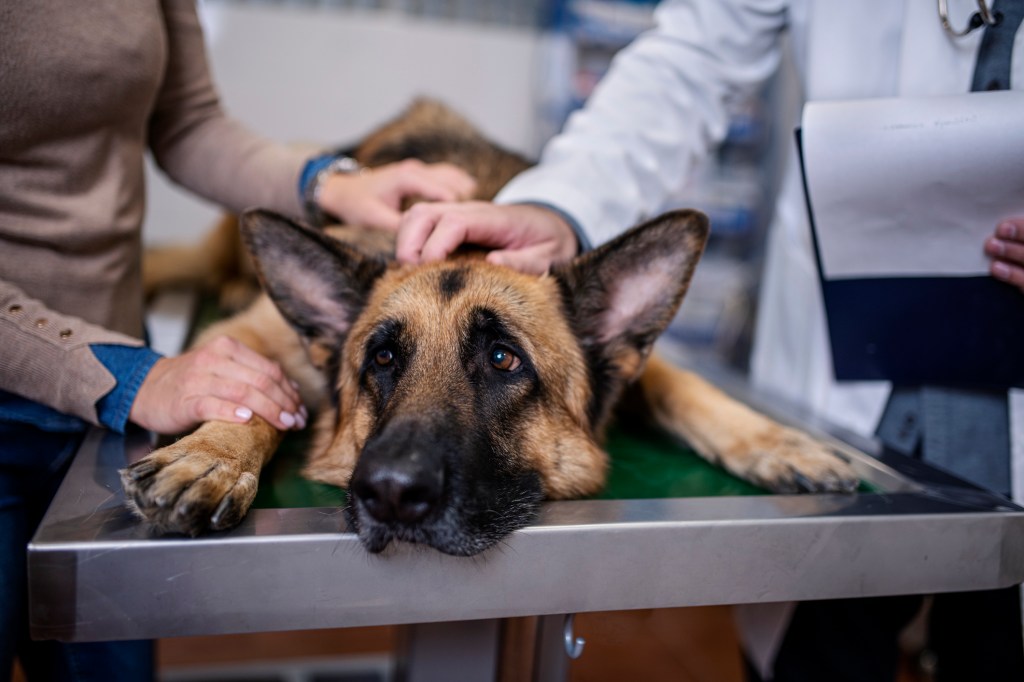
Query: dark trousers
point(973, 636)
point(32, 465)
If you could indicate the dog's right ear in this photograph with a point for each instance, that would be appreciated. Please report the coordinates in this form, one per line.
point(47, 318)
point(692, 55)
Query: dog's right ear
point(622, 295)
point(319, 284)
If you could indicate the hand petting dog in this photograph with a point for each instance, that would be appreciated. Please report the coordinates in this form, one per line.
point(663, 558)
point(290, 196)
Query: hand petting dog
point(524, 237)
point(374, 197)
point(1006, 247)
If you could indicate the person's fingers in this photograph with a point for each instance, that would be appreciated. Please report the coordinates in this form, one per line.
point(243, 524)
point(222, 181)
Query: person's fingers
point(209, 408)
point(282, 394)
point(427, 184)
point(247, 358)
point(1007, 251)
point(416, 225)
point(230, 370)
point(1011, 229)
point(450, 232)
point(1008, 272)
point(434, 182)
point(376, 213)
point(1004, 249)
point(535, 260)
point(456, 179)
point(248, 396)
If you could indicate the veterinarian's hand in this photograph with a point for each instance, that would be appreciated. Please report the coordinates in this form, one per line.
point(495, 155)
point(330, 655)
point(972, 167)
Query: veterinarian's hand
point(221, 380)
point(374, 197)
point(1006, 247)
point(525, 237)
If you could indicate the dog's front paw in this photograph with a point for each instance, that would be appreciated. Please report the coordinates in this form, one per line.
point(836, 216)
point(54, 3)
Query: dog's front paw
point(189, 487)
point(785, 460)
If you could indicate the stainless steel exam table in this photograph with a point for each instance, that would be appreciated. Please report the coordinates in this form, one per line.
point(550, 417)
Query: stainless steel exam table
point(96, 573)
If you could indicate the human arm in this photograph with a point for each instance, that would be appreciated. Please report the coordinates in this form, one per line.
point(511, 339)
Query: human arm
point(203, 149)
point(656, 113)
point(47, 356)
point(103, 377)
point(1006, 247)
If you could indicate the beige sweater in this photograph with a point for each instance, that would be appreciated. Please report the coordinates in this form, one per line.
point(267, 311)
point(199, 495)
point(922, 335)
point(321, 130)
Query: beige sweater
point(85, 88)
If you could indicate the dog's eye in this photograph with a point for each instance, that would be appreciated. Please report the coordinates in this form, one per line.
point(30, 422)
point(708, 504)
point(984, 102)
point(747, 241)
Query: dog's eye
point(384, 357)
point(504, 359)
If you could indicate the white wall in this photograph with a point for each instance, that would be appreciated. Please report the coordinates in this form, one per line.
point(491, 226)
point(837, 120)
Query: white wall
point(329, 75)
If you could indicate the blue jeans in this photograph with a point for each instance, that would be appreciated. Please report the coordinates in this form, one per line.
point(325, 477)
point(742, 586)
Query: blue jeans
point(32, 465)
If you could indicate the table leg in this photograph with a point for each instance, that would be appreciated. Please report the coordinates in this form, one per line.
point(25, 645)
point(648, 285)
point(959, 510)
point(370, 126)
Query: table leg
point(457, 650)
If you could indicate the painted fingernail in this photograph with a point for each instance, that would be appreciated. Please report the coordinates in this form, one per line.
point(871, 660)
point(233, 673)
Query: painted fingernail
point(303, 411)
point(243, 413)
point(300, 421)
point(1006, 230)
point(287, 419)
point(1001, 270)
point(295, 384)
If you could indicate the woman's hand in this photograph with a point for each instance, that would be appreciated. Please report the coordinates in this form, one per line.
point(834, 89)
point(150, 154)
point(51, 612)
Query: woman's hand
point(1007, 250)
point(221, 380)
point(374, 197)
point(525, 237)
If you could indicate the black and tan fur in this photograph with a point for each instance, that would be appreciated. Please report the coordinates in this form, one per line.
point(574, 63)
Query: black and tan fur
point(454, 397)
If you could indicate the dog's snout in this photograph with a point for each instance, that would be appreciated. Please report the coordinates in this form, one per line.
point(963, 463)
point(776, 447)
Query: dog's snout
point(399, 491)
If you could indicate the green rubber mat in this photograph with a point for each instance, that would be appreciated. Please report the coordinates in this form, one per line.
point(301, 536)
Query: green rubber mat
point(648, 465)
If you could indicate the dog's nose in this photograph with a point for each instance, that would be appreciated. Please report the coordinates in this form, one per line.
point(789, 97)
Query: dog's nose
point(398, 491)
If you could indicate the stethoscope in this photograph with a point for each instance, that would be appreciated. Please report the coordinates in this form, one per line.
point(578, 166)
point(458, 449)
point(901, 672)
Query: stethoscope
point(983, 17)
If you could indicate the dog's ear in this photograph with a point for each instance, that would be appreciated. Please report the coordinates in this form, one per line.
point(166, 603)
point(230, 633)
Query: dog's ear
point(319, 284)
point(625, 293)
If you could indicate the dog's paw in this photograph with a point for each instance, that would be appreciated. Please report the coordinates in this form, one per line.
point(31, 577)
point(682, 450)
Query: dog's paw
point(189, 487)
point(785, 460)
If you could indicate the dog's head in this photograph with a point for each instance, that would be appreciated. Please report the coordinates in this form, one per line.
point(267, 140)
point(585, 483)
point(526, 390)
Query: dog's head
point(464, 393)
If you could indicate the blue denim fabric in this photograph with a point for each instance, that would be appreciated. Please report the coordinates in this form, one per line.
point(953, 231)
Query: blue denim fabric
point(31, 470)
point(128, 364)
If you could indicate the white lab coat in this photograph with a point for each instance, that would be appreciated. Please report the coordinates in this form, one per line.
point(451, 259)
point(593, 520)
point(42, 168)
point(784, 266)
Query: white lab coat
point(660, 109)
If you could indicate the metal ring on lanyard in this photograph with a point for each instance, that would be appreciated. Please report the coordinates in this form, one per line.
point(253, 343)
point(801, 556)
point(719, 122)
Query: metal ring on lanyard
point(983, 17)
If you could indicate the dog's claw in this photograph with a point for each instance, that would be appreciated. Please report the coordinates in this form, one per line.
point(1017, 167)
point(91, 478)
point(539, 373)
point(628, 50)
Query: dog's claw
point(140, 470)
point(188, 490)
point(805, 484)
point(790, 462)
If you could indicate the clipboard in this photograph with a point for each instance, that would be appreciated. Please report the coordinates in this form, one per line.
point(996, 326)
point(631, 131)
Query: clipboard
point(946, 324)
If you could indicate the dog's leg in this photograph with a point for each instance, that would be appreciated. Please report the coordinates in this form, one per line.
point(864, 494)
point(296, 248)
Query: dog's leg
point(208, 479)
point(745, 442)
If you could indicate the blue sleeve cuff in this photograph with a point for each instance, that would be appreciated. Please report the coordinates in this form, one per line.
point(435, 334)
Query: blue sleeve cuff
point(129, 365)
point(310, 170)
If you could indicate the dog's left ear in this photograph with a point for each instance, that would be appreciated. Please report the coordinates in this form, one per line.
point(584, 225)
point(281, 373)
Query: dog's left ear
point(625, 293)
point(319, 284)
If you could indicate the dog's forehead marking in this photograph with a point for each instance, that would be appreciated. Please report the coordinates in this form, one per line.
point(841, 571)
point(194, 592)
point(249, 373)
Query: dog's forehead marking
point(451, 282)
point(437, 301)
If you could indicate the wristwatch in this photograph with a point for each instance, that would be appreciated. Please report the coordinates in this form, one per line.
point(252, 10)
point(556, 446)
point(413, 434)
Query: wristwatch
point(311, 194)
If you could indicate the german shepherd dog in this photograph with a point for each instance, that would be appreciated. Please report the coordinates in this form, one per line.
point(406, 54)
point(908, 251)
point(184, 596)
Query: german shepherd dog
point(455, 396)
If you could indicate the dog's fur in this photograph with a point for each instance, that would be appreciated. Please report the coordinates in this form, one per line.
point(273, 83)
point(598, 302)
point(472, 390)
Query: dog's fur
point(455, 396)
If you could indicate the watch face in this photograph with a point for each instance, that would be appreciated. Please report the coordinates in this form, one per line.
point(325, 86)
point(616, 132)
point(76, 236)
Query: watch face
point(343, 164)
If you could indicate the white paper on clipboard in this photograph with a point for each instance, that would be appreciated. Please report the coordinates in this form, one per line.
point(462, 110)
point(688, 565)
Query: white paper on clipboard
point(913, 187)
